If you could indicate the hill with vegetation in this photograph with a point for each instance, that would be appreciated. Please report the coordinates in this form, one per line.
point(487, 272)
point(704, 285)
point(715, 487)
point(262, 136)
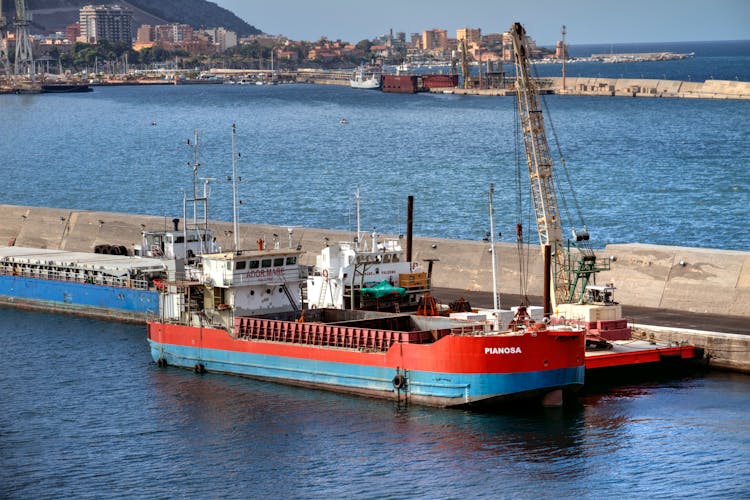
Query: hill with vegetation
point(53, 15)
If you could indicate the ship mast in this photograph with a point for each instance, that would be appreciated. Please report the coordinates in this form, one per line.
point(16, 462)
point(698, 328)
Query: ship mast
point(200, 203)
point(235, 209)
point(564, 56)
point(495, 295)
point(359, 234)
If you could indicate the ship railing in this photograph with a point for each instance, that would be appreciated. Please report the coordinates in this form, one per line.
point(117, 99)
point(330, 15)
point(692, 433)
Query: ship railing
point(74, 276)
point(318, 334)
point(472, 329)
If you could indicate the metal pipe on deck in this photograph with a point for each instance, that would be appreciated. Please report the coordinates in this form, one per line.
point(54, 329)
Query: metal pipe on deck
point(409, 226)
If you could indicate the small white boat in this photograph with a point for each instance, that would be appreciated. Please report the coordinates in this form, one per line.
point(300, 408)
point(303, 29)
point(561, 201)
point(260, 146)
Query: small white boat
point(366, 77)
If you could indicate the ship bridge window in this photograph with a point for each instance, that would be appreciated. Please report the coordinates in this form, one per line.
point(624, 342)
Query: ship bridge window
point(265, 263)
point(254, 264)
point(290, 261)
point(240, 264)
point(278, 262)
point(179, 239)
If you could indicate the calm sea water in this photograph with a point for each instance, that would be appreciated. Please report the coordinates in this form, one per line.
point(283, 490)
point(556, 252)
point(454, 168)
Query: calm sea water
point(85, 413)
point(661, 171)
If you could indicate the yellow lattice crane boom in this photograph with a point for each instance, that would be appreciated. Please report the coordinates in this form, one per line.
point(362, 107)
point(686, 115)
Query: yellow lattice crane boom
point(572, 279)
point(539, 162)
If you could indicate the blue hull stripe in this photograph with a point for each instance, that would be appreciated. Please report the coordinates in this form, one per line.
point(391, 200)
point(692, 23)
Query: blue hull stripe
point(69, 295)
point(450, 388)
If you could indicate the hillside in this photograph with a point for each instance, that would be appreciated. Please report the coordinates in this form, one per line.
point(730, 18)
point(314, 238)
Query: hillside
point(53, 15)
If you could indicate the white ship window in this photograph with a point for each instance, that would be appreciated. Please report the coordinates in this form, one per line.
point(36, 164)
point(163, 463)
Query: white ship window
point(290, 261)
point(278, 262)
point(254, 264)
point(265, 263)
point(240, 264)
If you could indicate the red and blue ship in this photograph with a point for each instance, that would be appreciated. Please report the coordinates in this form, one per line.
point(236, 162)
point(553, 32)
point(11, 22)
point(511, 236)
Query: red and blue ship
point(231, 320)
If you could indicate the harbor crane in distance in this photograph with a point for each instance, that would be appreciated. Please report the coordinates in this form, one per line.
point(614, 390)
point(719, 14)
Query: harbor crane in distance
point(24, 59)
point(464, 49)
point(572, 292)
point(4, 61)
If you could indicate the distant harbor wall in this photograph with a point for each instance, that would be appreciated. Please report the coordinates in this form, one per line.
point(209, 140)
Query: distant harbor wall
point(627, 87)
point(632, 87)
point(677, 278)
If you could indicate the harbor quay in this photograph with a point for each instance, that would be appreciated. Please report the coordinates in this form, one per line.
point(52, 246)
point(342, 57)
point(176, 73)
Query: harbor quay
point(626, 87)
point(579, 86)
point(584, 86)
point(699, 283)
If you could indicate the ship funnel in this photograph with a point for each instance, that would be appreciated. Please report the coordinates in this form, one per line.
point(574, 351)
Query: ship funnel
point(409, 223)
point(176, 223)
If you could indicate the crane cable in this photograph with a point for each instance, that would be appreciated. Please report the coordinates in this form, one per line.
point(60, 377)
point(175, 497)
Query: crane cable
point(523, 257)
point(563, 166)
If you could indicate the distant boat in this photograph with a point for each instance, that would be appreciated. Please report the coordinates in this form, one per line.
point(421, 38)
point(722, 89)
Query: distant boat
point(366, 77)
point(53, 88)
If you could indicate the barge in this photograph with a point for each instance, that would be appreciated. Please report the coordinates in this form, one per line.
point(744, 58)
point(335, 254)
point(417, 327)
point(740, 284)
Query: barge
point(88, 284)
point(244, 315)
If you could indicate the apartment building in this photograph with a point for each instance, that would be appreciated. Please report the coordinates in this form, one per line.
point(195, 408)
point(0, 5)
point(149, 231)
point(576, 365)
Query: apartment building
point(106, 22)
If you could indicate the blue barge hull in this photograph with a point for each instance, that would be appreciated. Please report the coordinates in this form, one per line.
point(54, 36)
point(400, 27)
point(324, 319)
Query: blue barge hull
point(103, 301)
point(440, 389)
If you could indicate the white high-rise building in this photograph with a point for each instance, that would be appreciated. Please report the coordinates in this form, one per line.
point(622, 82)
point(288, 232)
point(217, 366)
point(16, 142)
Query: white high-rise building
point(106, 22)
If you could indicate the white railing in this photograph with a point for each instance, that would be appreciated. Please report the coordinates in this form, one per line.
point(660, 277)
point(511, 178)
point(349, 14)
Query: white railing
point(72, 276)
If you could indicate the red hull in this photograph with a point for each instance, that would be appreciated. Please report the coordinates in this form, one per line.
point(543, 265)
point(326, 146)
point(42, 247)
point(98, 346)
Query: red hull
point(451, 354)
point(455, 370)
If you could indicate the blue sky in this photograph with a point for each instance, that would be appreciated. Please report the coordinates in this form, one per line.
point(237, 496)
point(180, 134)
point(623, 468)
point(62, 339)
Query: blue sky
point(587, 21)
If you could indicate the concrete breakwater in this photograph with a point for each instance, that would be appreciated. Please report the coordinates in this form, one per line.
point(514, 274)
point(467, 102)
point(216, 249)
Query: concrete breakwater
point(640, 87)
point(592, 86)
point(692, 280)
point(678, 278)
point(626, 87)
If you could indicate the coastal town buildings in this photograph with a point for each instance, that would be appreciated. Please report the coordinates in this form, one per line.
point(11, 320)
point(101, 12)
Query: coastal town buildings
point(175, 42)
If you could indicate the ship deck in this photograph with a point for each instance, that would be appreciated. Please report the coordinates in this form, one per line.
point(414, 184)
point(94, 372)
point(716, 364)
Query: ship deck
point(351, 329)
point(630, 353)
point(45, 257)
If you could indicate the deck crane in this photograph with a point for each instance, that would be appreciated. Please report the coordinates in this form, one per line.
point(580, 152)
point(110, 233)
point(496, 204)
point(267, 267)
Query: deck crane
point(572, 292)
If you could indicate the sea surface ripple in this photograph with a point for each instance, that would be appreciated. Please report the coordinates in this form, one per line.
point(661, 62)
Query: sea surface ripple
point(659, 171)
point(85, 412)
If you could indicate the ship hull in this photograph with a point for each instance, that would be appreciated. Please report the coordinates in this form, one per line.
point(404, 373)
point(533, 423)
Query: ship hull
point(102, 301)
point(453, 371)
point(368, 84)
